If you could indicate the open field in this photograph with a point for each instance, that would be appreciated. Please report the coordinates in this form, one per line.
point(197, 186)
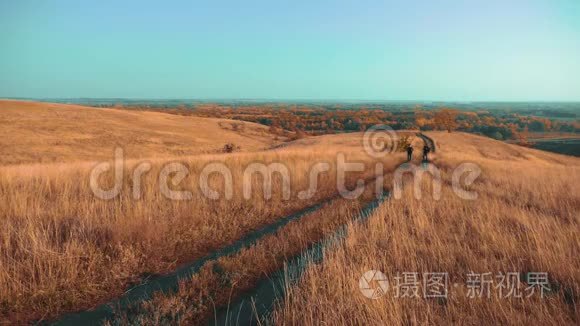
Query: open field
point(33, 132)
point(221, 282)
point(526, 219)
point(64, 250)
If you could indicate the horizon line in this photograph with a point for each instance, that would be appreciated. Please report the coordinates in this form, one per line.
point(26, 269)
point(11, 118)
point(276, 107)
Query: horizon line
point(327, 100)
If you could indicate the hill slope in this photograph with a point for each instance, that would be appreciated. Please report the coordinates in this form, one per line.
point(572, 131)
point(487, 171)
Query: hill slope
point(32, 132)
point(525, 220)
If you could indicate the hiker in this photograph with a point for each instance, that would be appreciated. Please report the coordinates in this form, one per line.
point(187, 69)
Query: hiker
point(426, 150)
point(409, 153)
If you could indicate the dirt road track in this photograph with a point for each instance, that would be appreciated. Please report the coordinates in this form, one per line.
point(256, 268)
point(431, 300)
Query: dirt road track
point(262, 295)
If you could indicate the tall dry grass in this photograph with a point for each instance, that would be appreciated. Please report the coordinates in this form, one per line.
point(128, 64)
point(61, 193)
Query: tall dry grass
point(526, 219)
point(32, 132)
point(221, 282)
point(63, 249)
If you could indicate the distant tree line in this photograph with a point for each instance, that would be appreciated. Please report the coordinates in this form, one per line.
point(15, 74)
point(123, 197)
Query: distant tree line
point(296, 121)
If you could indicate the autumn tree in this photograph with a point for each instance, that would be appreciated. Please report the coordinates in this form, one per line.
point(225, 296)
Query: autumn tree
point(403, 143)
point(421, 121)
point(523, 137)
point(515, 134)
point(446, 119)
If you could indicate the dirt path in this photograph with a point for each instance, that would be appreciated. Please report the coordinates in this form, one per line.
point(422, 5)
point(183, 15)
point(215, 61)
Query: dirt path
point(169, 282)
point(255, 307)
point(428, 141)
point(265, 293)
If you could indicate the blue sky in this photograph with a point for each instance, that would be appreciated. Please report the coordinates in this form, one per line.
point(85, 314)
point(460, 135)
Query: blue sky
point(357, 50)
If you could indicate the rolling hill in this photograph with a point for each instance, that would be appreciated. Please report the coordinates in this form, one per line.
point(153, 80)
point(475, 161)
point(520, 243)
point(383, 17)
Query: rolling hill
point(64, 250)
point(34, 132)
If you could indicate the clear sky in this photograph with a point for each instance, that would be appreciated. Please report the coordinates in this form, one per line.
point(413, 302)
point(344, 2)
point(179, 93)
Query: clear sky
point(297, 49)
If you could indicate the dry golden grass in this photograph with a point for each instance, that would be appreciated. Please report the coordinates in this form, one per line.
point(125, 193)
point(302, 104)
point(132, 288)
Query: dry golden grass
point(220, 282)
point(62, 249)
point(32, 132)
point(526, 219)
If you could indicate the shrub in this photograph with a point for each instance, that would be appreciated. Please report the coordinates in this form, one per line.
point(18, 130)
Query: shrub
point(230, 148)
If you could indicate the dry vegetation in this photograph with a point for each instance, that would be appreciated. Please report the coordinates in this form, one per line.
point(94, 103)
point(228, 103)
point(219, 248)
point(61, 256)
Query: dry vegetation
point(220, 282)
point(32, 132)
point(502, 124)
point(62, 249)
point(525, 220)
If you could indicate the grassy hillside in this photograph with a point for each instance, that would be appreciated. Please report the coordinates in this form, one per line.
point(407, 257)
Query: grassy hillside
point(525, 219)
point(33, 132)
point(62, 249)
